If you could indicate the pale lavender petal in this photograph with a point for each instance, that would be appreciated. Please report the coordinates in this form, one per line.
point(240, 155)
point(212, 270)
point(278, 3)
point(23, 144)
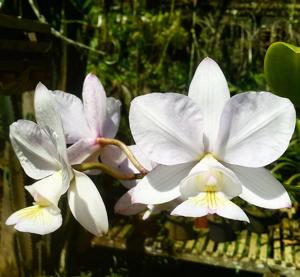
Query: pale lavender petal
point(82, 150)
point(36, 151)
point(112, 121)
point(94, 102)
point(73, 118)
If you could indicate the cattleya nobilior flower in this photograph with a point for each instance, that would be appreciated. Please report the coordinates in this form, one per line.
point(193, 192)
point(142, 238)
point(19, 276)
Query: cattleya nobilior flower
point(211, 148)
point(84, 121)
point(41, 149)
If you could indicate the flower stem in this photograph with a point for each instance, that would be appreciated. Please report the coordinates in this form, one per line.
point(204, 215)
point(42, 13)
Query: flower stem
point(108, 170)
point(125, 149)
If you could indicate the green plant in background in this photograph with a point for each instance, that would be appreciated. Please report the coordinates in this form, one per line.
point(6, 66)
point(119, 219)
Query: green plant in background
point(282, 70)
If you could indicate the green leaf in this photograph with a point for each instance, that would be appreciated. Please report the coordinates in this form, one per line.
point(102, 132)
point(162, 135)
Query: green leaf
point(282, 70)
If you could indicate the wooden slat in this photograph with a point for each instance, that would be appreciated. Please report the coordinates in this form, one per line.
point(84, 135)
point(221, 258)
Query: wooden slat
point(264, 243)
point(220, 249)
point(277, 245)
point(199, 245)
point(253, 250)
point(231, 249)
point(287, 243)
point(210, 247)
point(242, 243)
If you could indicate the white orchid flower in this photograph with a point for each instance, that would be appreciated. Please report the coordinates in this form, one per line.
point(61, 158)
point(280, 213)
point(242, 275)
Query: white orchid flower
point(85, 121)
point(41, 150)
point(210, 147)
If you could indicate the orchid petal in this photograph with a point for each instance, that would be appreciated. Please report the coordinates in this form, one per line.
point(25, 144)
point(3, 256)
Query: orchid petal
point(203, 204)
point(82, 150)
point(210, 91)
point(48, 189)
point(87, 205)
point(190, 208)
point(161, 184)
point(71, 111)
point(111, 124)
point(167, 126)
point(36, 152)
point(125, 207)
point(260, 188)
point(47, 115)
point(255, 129)
point(36, 219)
point(230, 210)
point(210, 170)
point(94, 102)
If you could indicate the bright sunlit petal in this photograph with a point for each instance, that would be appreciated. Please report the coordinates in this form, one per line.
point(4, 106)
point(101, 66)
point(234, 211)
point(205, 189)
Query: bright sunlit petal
point(82, 150)
point(228, 209)
point(161, 184)
point(36, 152)
point(47, 115)
point(167, 127)
point(255, 129)
point(36, 219)
point(111, 124)
point(210, 173)
point(209, 203)
point(94, 102)
point(71, 111)
point(210, 91)
point(50, 188)
point(260, 188)
point(86, 205)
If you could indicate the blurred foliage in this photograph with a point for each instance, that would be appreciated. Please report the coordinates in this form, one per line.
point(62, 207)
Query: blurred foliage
point(156, 46)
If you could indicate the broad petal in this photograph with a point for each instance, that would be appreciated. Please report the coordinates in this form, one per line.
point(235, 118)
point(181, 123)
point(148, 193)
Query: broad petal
point(94, 102)
point(206, 171)
point(36, 152)
point(73, 118)
point(116, 159)
point(161, 184)
point(167, 126)
point(190, 208)
point(210, 203)
point(36, 219)
point(230, 210)
point(125, 207)
point(113, 110)
point(260, 188)
point(210, 91)
point(47, 115)
point(87, 205)
point(82, 150)
point(48, 190)
point(255, 129)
